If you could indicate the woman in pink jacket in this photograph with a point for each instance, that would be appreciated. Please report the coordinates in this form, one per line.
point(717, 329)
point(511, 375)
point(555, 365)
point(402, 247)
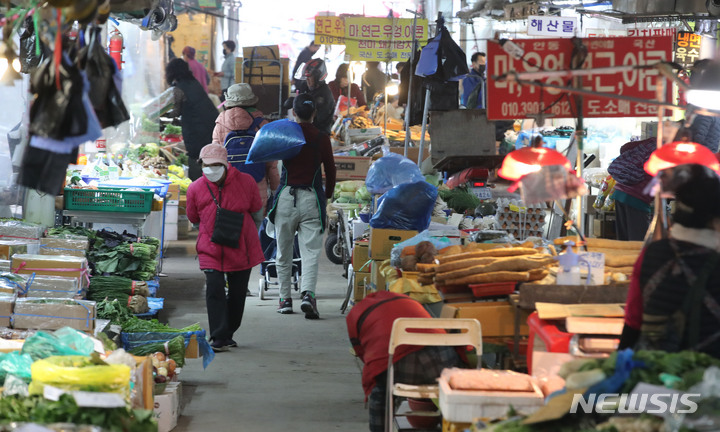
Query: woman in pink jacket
point(239, 114)
point(237, 192)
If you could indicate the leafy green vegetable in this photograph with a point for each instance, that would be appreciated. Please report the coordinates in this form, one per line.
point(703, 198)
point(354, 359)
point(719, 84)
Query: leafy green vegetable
point(115, 287)
point(459, 199)
point(137, 325)
point(175, 349)
point(36, 409)
point(172, 130)
point(113, 310)
point(182, 159)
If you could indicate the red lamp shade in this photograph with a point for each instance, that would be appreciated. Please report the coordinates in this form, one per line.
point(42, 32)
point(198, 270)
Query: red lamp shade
point(681, 153)
point(527, 160)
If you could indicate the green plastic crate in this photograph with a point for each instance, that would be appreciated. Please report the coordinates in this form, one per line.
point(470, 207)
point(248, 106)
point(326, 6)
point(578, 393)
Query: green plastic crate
point(109, 200)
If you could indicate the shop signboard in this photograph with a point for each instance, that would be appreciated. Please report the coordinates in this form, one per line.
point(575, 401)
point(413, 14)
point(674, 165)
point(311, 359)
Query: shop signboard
point(552, 26)
point(509, 100)
point(648, 32)
point(329, 30)
point(688, 48)
point(382, 39)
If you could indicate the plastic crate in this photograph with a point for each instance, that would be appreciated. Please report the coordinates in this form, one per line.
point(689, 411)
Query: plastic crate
point(109, 200)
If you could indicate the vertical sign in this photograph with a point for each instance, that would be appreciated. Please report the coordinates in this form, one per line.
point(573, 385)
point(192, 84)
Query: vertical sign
point(687, 49)
point(329, 30)
point(382, 39)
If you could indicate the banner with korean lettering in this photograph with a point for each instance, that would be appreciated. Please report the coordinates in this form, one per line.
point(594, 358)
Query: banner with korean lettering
point(552, 26)
point(687, 51)
point(509, 100)
point(329, 30)
point(382, 39)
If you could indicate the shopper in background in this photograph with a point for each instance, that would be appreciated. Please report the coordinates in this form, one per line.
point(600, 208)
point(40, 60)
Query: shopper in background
point(674, 298)
point(224, 186)
point(369, 325)
point(373, 80)
point(473, 85)
point(314, 74)
point(239, 115)
point(632, 203)
point(197, 113)
point(197, 69)
point(305, 55)
point(299, 207)
point(339, 87)
point(227, 71)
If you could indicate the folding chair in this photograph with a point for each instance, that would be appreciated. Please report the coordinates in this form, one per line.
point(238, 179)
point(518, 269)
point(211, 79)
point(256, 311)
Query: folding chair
point(471, 334)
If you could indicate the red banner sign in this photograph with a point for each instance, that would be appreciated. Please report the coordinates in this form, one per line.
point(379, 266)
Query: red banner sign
point(509, 100)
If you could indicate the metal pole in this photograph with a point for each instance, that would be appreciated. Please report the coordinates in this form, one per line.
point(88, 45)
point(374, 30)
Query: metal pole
point(349, 88)
point(409, 97)
point(658, 227)
point(424, 127)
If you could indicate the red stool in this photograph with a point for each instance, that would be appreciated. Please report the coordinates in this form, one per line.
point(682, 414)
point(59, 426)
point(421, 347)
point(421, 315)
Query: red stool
point(555, 340)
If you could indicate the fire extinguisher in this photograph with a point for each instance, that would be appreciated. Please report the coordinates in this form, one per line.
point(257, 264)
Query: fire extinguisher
point(115, 48)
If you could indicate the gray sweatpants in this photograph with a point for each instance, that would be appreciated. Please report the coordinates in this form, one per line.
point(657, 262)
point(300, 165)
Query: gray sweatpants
point(297, 213)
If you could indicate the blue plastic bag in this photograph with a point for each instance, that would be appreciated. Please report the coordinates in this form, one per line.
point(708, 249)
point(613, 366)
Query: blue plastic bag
point(389, 171)
point(407, 206)
point(278, 140)
point(136, 339)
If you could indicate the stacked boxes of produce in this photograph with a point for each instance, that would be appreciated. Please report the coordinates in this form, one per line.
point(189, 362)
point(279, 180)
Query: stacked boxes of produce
point(519, 220)
point(381, 244)
point(15, 233)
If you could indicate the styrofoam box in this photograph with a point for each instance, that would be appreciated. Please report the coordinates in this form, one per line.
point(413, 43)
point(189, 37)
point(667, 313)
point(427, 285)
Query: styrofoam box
point(465, 406)
point(359, 229)
point(171, 214)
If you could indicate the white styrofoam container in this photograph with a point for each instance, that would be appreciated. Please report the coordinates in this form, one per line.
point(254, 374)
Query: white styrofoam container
point(359, 229)
point(171, 214)
point(465, 406)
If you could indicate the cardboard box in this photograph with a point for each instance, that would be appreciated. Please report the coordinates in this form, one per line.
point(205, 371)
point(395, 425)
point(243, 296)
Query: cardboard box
point(361, 278)
point(53, 314)
point(267, 52)
point(360, 256)
point(496, 318)
point(263, 71)
point(351, 167)
point(7, 303)
point(383, 240)
point(10, 247)
point(378, 281)
point(173, 192)
point(413, 152)
point(76, 247)
point(51, 265)
point(167, 407)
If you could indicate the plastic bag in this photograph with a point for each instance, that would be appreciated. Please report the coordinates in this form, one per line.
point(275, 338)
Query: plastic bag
point(279, 140)
point(391, 170)
point(79, 373)
point(42, 345)
point(16, 364)
point(407, 206)
point(75, 340)
point(439, 243)
point(423, 294)
point(29, 56)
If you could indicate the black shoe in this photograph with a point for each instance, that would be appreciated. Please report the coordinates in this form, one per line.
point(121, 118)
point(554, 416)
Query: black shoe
point(309, 306)
point(220, 345)
point(232, 344)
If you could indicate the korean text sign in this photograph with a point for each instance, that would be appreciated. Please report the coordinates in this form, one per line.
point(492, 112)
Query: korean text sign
point(552, 26)
point(509, 100)
point(687, 51)
point(380, 39)
point(329, 30)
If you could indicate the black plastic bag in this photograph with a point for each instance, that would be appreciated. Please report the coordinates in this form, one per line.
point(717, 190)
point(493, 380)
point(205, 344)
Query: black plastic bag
point(104, 95)
point(57, 113)
point(29, 58)
point(44, 170)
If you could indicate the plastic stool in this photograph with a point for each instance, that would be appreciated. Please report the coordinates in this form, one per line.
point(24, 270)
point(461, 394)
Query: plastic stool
point(555, 340)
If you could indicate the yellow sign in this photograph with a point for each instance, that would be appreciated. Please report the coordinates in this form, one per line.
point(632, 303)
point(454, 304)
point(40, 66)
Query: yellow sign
point(382, 39)
point(329, 30)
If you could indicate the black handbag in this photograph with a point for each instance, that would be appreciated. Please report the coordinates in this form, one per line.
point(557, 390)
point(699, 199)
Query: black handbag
point(228, 225)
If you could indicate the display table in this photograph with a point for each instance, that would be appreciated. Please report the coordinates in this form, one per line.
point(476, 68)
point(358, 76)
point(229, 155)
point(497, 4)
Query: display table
point(137, 220)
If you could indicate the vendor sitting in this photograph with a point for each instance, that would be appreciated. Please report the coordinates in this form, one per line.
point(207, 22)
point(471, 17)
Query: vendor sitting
point(369, 326)
point(674, 298)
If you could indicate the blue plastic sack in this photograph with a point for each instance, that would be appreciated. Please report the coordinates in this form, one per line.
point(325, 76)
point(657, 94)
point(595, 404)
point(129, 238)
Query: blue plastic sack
point(389, 171)
point(278, 140)
point(407, 206)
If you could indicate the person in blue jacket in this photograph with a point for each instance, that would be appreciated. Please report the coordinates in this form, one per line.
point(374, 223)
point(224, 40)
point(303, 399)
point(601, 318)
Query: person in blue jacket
point(473, 85)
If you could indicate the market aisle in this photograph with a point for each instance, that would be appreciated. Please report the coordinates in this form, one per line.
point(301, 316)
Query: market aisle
point(288, 373)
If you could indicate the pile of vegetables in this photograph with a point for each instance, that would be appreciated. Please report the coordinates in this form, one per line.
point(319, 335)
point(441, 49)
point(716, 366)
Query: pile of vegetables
point(137, 325)
point(163, 367)
point(36, 409)
point(126, 291)
point(172, 130)
point(118, 255)
point(71, 230)
point(459, 199)
point(351, 192)
point(174, 349)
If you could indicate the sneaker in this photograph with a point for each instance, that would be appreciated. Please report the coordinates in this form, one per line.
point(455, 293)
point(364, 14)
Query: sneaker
point(220, 345)
point(309, 306)
point(285, 306)
point(232, 344)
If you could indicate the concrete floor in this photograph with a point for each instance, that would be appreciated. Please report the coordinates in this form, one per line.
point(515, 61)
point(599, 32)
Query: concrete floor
point(287, 374)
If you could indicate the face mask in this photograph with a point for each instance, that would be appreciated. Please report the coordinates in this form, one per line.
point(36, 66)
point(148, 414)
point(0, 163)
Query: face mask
point(214, 173)
point(481, 69)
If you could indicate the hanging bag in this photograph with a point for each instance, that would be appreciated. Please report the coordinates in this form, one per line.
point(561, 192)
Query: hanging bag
point(228, 225)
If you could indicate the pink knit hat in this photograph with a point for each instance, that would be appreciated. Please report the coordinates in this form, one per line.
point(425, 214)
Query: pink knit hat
point(214, 153)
